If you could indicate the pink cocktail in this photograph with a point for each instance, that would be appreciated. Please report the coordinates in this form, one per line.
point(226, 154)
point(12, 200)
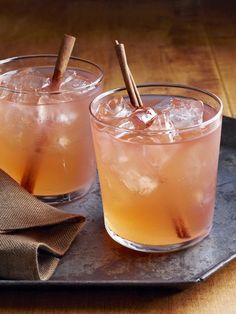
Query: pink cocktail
point(158, 181)
point(44, 130)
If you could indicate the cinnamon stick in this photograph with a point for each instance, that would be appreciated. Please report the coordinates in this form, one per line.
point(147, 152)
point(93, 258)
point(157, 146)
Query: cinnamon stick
point(121, 55)
point(30, 174)
point(136, 101)
point(63, 57)
point(180, 228)
point(140, 103)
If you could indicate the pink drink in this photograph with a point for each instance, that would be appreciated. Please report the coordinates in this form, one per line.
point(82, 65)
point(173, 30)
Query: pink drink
point(157, 182)
point(45, 133)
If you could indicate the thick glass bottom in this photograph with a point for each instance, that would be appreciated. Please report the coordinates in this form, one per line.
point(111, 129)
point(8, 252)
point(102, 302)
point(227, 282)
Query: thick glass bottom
point(63, 198)
point(155, 248)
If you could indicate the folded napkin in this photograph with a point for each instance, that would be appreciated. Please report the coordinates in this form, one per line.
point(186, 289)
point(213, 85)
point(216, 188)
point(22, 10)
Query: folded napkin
point(33, 235)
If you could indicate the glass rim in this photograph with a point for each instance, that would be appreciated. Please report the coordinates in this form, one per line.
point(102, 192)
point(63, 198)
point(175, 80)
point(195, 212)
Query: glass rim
point(22, 57)
point(163, 131)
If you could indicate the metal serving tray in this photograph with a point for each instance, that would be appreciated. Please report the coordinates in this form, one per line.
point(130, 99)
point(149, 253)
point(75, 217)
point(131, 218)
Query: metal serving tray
point(96, 260)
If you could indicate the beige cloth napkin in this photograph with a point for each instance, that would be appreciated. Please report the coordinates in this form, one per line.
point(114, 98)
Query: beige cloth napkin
point(33, 235)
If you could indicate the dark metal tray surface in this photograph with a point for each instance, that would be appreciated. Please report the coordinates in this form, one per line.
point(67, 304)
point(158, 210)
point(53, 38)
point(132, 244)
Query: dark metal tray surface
point(96, 260)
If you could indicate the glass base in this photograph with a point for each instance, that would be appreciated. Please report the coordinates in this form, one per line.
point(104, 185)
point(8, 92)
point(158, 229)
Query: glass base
point(62, 198)
point(155, 248)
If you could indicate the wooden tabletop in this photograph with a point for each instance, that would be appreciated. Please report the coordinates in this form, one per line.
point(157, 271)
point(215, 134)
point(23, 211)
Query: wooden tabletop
point(184, 41)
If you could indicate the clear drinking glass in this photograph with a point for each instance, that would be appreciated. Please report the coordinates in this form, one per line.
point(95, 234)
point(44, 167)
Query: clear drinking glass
point(45, 134)
point(158, 187)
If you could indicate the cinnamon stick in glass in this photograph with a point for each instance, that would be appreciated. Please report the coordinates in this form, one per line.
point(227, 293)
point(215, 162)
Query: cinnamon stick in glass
point(30, 174)
point(135, 99)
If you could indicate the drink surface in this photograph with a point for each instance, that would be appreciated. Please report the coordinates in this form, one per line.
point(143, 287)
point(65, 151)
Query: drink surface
point(47, 127)
point(158, 187)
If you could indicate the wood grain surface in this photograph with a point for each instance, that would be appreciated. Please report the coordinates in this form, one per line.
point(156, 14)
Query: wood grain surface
point(181, 41)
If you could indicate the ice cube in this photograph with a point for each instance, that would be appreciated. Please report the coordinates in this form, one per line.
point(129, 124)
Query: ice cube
point(122, 158)
point(23, 98)
point(41, 114)
point(18, 121)
point(163, 105)
point(4, 94)
point(68, 77)
point(72, 83)
point(105, 144)
point(66, 117)
point(163, 124)
point(138, 183)
point(142, 118)
point(147, 119)
point(5, 77)
point(32, 81)
point(26, 80)
point(72, 80)
point(186, 112)
point(44, 100)
point(63, 141)
point(126, 124)
point(159, 155)
point(115, 108)
point(36, 83)
point(139, 119)
point(79, 83)
point(16, 83)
